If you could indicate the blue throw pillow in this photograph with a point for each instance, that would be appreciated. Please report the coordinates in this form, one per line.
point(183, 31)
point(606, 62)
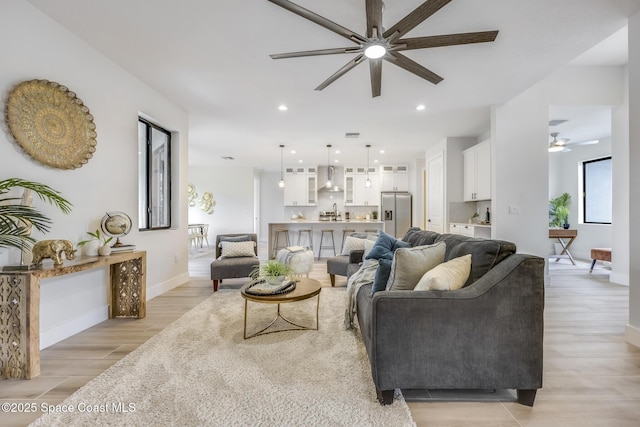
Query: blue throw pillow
point(385, 246)
point(382, 275)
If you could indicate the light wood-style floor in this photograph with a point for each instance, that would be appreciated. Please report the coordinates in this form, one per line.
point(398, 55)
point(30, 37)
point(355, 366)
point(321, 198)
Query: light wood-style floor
point(592, 377)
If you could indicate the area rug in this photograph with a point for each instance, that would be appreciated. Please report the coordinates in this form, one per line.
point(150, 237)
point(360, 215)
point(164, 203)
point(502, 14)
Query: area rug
point(200, 371)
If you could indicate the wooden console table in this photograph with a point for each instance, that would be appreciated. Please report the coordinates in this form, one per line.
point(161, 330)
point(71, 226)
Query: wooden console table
point(20, 305)
point(561, 233)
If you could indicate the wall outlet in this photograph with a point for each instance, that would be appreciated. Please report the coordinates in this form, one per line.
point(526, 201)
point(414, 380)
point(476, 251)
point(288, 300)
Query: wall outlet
point(514, 210)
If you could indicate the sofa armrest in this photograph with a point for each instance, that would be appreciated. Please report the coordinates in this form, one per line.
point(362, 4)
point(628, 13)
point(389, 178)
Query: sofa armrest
point(486, 335)
point(355, 256)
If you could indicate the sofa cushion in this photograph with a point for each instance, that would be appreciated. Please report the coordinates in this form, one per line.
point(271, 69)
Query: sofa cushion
point(448, 276)
point(485, 253)
point(382, 275)
point(410, 264)
point(237, 249)
point(385, 246)
point(418, 237)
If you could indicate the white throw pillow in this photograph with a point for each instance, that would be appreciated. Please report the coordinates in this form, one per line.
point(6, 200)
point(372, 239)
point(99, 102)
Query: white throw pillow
point(448, 276)
point(352, 244)
point(368, 245)
point(237, 249)
point(409, 264)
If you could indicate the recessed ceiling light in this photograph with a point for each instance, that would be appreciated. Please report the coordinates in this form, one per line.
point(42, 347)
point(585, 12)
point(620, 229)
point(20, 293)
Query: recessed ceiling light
point(299, 161)
point(421, 107)
point(282, 107)
point(336, 161)
point(337, 151)
point(293, 151)
point(375, 161)
point(381, 151)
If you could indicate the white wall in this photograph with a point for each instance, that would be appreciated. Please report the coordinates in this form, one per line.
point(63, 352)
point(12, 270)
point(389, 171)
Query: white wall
point(632, 333)
point(563, 177)
point(35, 47)
point(520, 134)
point(232, 189)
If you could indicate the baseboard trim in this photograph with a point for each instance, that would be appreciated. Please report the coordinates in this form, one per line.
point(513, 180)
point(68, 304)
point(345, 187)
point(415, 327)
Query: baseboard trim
point(161, 288)
point(72, 327)
point(632, 335)
point(619, 279)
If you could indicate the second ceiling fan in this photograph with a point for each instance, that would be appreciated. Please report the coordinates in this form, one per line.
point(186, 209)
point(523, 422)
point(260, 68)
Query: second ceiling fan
point(383, 44)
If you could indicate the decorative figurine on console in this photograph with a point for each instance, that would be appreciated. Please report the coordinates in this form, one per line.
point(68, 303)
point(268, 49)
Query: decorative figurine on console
point(53, 249)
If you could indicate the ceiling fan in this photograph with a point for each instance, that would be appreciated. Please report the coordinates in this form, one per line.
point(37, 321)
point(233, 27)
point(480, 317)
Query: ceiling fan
point(562, 144)
point(383, 44)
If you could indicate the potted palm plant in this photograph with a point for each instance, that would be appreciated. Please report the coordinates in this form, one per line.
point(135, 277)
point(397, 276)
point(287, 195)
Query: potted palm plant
point(559, 211)
point(17, 216)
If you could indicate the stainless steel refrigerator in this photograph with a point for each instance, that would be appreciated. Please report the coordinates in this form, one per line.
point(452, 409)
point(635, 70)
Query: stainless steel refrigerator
point(396, 213)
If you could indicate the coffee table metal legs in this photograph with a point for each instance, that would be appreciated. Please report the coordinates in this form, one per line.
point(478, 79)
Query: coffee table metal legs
point(294, 326)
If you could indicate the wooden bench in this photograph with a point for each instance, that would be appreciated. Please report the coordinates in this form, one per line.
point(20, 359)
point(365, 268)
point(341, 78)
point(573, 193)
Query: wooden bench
point(602, 254)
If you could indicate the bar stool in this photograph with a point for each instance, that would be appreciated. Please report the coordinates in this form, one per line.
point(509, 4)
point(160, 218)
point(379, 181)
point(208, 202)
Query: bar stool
point(333, 243)
point(276, 241)
point(306, 231)
point(344, 236)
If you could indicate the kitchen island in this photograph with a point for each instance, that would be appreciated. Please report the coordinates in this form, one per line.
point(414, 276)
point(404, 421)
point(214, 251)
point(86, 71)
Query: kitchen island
point(316, 226)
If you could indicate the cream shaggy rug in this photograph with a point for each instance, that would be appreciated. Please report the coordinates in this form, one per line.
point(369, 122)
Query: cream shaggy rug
point(200, 371)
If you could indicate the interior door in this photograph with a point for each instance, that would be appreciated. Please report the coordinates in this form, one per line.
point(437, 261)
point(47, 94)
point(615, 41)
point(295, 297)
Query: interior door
point(435, 194)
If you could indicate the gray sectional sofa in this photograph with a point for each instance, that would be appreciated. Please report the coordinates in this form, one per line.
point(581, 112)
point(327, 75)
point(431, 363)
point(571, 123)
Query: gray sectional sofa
point(487, 335)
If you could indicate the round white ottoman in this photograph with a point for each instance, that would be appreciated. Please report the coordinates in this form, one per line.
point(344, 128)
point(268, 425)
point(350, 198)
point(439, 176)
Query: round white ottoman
point(300, 259)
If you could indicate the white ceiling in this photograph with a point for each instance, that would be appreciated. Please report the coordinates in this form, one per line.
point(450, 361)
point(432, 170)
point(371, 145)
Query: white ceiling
point(212, 58)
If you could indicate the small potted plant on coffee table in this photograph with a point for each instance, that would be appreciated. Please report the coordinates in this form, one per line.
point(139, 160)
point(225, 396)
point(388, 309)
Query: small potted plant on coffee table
point(272, 271)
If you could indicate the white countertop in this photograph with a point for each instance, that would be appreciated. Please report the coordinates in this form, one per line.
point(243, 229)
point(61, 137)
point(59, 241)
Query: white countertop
point(471, 225)
point(317, 221)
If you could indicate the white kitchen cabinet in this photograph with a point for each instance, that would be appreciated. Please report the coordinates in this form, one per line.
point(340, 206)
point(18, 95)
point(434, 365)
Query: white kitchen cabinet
point(394, 178)
point(470, 230)
point(355, 191)
point(300, 186)
point(477, 172)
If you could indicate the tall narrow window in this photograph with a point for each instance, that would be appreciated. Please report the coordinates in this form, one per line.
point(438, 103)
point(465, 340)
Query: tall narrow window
point(154, 185)
point(597, 191)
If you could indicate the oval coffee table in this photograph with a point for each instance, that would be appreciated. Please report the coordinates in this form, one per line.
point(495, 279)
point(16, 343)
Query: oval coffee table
point(305, 289)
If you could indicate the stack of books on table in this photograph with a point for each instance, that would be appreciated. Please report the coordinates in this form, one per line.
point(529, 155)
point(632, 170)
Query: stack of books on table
point(122, 248)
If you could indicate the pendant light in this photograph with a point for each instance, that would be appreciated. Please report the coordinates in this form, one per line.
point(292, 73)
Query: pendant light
point(281, 183)
point(329, 183)
point(367, 183)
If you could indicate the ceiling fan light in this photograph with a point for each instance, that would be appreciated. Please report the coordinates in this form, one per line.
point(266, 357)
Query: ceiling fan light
point(375, 50)
point(555, 148)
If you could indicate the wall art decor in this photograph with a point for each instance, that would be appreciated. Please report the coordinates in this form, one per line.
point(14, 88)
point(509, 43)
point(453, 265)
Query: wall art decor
point(192, 195)
point(207, 203)
point(51, 124)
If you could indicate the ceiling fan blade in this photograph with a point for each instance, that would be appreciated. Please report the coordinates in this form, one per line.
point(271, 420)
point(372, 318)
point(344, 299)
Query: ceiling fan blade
point(413, 67)
point(447, 40)
point(320, 20)
point(316, 52)
point(414, 19)
point(375, 68)
point(342, 71)
point(374, 17)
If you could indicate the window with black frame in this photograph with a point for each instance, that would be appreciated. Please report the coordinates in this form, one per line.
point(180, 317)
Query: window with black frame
point(597, 187)
point(154, 181)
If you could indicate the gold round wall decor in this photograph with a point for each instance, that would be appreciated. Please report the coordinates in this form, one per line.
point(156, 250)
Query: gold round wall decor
point(51, 124)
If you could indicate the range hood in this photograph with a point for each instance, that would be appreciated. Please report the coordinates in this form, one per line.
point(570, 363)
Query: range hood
point(335, 188)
